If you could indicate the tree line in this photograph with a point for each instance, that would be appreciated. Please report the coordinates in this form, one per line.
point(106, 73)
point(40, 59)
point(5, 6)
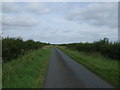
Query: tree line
point(103, 46)
point(14, 47)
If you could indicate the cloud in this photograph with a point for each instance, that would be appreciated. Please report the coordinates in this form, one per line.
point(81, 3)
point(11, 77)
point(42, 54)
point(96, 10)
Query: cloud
point(98, 14)
point(10, 7)
point(33, 7)
point(60, 22)
point(64, 31)
point(38, 8)
point(18, 21)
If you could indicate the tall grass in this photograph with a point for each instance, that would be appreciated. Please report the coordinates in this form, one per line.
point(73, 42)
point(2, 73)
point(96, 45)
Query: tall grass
point(104, 67)
point(27, 71)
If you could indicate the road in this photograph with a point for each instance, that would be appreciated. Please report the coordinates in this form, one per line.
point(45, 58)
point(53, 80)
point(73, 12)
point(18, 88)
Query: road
point(64, 72)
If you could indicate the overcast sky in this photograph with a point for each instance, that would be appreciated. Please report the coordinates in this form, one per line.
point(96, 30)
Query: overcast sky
point(63, 22)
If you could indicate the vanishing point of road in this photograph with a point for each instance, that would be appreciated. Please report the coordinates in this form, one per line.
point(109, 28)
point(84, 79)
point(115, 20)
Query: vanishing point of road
point(64, 72)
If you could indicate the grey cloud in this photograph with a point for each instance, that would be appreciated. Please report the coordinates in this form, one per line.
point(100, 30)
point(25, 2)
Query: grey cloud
point(33, 7)
point(37, 8)
point(54, 28)
point(98, 14)
point(21, 21)
point(10, 7)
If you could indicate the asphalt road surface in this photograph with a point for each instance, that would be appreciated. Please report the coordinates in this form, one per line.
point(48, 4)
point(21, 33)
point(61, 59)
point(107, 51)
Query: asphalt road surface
point(64, 72)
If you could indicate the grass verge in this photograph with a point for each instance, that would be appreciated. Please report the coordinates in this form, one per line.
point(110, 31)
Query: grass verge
point(28, 71)
point(101, 66)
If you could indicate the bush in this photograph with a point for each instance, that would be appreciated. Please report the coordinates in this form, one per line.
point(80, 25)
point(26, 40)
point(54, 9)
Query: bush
point(103, 47)
point(13, 47)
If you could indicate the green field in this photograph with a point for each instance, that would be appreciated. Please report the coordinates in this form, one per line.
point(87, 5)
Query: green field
point(28, 71)
point(104, 67)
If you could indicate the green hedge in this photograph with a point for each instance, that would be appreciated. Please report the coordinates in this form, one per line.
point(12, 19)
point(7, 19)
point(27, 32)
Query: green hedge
point(102, 46)
point(13, 47)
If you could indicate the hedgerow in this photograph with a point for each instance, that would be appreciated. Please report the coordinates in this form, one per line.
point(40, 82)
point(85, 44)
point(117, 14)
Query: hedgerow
point(14, 47)
point(103, 46)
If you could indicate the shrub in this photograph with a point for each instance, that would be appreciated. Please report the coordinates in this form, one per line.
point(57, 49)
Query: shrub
point(103, 47)
point(13, 47)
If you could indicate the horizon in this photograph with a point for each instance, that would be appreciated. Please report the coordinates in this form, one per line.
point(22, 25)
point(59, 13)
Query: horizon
point(60, 43)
